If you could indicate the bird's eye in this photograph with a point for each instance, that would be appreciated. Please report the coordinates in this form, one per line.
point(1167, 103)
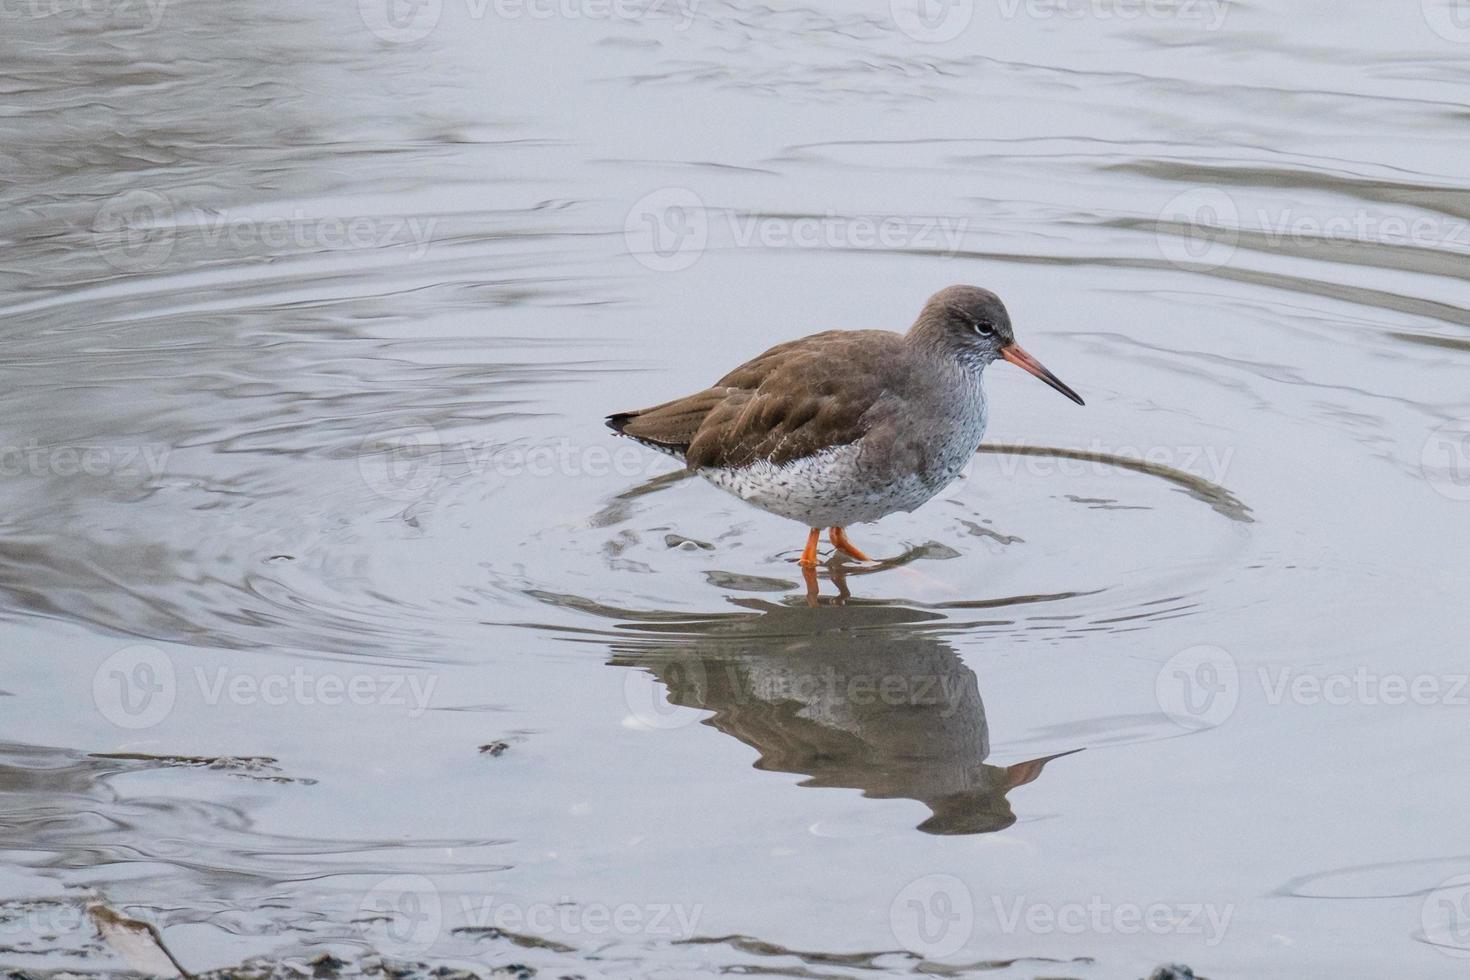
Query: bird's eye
point(984, 329)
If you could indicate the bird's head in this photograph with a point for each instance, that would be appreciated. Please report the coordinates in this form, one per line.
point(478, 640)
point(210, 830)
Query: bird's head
point(973, 323)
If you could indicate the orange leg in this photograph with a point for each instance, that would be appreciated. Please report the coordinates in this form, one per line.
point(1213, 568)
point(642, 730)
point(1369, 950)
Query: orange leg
point(809, 555)
point(809, 575)
point(841, 543)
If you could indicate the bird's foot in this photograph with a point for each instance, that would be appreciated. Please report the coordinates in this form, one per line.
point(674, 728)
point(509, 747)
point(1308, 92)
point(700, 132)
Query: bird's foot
point(840, 541)
point(809, 553)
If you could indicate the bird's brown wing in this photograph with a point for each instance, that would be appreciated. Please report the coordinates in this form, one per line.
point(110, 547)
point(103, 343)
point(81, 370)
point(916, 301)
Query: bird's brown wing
point(793, 401)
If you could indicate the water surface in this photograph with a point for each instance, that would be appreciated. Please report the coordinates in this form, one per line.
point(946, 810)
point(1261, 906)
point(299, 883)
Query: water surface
point(336, 622)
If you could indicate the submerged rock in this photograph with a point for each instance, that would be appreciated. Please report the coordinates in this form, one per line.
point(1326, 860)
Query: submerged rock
point(1173, 971)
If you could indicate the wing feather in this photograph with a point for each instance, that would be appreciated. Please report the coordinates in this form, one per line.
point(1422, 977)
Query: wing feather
point(793, 401)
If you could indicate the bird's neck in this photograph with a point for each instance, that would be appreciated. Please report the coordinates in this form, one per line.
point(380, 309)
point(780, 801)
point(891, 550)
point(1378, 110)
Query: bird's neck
point(931, 338)
point(929, 333)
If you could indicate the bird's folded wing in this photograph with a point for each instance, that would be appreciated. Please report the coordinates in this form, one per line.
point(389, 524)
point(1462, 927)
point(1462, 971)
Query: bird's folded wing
point(793, 401)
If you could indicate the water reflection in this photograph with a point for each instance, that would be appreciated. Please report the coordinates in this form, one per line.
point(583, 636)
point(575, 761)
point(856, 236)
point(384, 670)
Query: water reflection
point(855, 697)
point(204, 377)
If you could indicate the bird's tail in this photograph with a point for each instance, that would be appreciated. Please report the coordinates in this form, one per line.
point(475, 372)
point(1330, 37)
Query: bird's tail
point(669, 427)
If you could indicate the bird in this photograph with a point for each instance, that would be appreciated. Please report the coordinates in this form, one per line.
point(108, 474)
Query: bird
point(845, 427)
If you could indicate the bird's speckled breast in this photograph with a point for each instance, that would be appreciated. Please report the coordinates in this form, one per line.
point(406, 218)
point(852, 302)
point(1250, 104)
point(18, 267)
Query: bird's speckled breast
point(857, 483)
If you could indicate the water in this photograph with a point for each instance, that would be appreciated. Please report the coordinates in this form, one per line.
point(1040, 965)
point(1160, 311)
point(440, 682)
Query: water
point(336, 621)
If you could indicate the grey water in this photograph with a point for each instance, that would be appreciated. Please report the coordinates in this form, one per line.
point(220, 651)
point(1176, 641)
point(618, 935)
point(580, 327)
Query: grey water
point(335, 622)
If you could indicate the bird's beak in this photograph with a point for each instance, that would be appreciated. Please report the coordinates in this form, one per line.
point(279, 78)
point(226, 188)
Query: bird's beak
point(1029, 364)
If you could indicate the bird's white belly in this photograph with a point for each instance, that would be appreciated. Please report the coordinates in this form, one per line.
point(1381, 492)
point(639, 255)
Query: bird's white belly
point(844, 485)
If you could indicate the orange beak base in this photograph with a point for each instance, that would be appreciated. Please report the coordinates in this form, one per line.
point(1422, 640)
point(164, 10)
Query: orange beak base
point(1029, 364)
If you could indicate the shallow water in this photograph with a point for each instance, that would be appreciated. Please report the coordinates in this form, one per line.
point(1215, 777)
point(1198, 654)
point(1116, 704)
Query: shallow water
point(336, 621)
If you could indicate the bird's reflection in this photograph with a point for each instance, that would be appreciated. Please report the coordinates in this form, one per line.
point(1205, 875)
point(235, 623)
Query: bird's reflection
point(838, 570)
point(861, 697)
